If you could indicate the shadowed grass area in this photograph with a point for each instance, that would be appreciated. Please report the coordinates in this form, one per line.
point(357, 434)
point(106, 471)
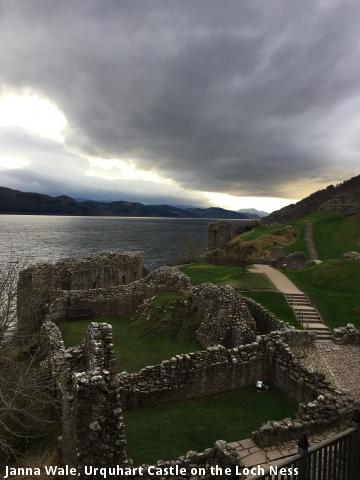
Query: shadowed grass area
point(138, 343)
point(275, 302)
point(333, 286)
point(168, 431)
point(227, 274)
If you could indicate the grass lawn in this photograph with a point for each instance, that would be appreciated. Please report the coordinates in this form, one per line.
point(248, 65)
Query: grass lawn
point(227, 274)
point(334, 287)
point(299, 245)
point(259, 231)
point(275, 302)
point(334, 234)
point(168, 431)
point(138, 344)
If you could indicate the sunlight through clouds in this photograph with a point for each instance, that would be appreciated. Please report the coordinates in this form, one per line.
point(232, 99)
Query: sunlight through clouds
point(34, 114)
point(9, 162)
point(113, 169)
point(233, 202)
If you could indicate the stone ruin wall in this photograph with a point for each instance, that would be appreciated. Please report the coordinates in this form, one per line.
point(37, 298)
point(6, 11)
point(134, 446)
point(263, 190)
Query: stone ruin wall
point(119, 300)
point(92, 395)
point(192, 375)
point(219, 234)
point(93, 431)
point(348, 335)
point(94, 398)
point(228, 318)
point(42, 283)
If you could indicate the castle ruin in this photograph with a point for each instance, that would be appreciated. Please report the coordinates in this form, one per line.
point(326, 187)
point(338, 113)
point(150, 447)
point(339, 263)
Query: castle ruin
point(241, 340)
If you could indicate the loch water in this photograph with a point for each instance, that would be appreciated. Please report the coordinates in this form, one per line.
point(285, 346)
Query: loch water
point(44, 238)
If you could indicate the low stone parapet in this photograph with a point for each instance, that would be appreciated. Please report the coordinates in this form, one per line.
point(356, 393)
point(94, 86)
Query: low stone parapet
point(347, 335)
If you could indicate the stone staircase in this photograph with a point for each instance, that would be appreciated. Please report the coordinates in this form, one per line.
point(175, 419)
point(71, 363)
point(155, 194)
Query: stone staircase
point(308, 316)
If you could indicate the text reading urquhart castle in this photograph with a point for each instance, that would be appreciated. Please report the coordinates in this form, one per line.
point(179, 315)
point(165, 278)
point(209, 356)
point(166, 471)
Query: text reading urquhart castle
point(149, 471)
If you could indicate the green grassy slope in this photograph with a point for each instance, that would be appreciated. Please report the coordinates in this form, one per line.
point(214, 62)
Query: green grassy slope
point(170, 430)
point(299, 244)
point(275, 302)
point(225, 274)
point(334, 287)
point(334, 234)
point(272, 230)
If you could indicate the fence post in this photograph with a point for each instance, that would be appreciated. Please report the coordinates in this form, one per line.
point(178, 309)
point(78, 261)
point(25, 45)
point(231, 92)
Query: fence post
point(303, 449)
point(355, 447)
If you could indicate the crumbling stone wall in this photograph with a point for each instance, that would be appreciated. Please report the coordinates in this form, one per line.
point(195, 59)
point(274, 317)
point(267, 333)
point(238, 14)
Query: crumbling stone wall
point(266, 321)
point(347, 335)
point(92, 396)
point(42, 283)
point(193, 375)
point(120, 300)
point(91, 411)
point(226, 317)
point(98, 347)
point(320, 403)
point(219, 455)
point(96, 414)
point(93, 399)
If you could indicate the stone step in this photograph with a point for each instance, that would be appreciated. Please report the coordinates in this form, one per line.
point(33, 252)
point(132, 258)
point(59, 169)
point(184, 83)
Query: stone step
point(310, 320)
point(306, 311)
point(299, 304)
point(296, 296)
point(298, 299)
point(309, 313)
point(322, 335)
point(317, 327)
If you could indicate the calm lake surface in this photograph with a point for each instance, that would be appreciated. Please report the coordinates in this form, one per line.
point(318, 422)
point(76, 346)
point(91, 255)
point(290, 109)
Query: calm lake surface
point(46, 238)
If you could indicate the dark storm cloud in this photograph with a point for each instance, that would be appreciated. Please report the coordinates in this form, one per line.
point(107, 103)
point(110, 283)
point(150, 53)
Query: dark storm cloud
point(232, 96)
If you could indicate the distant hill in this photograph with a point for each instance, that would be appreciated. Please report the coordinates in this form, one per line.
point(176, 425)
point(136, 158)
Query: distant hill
point(347, 192)
point(16, 202)
point(254, 212)
point(215, 212)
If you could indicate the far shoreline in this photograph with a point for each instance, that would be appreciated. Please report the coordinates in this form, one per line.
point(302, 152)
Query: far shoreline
point(126, 216)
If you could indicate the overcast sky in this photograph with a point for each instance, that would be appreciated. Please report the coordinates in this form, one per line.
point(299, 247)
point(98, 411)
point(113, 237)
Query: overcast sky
point(235, 103)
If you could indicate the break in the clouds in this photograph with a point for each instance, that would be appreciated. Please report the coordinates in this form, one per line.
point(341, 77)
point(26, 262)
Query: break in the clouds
point(181, 100)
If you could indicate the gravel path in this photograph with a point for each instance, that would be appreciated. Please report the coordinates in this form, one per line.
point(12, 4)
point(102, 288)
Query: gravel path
point(340, 363)
point(281, 282)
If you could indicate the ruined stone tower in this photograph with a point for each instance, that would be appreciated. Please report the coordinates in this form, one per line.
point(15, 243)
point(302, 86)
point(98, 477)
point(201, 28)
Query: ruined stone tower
point(219, 234)
point(41, 283)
